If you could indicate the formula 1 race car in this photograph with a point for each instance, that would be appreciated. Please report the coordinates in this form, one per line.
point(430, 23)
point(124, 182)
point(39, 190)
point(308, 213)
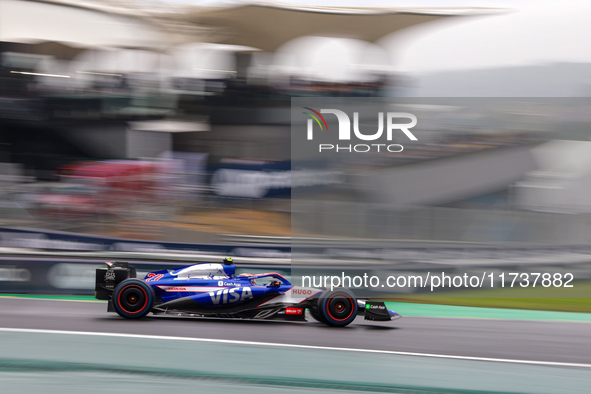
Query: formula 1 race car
point(213, 290)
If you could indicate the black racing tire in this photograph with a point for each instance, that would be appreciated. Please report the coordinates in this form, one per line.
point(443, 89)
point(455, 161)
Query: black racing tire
point(133, 298)
point(314, 313)
point(337, 308)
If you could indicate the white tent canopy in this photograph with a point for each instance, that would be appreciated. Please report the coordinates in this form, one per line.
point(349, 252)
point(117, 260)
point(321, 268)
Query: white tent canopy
point(269, 26)
point(78, 26)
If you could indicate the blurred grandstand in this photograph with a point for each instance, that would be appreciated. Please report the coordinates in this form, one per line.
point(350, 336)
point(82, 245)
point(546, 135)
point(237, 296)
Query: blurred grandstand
point(204, 101)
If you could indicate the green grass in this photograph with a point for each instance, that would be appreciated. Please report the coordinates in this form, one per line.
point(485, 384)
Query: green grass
point(575, 299)
point(54, 297)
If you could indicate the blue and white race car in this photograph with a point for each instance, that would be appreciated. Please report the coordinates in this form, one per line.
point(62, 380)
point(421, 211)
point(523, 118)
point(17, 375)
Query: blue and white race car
point(213, 290)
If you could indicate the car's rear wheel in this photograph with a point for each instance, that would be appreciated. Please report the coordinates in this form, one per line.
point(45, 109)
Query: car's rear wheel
point(337, 308)
point(133, 298)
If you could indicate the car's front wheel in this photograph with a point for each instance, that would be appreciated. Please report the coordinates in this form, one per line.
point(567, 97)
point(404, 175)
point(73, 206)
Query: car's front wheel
point(314, 313)
point(337, 308)
point(133, 298)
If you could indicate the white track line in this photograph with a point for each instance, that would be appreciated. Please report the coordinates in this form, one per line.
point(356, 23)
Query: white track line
point(293, 346)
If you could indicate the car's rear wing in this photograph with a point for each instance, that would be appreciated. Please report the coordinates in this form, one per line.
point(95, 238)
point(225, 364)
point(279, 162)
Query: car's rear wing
point(109, 277)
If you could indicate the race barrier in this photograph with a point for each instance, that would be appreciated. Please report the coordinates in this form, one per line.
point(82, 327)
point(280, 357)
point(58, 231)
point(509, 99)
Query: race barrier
point(59, 276)
point(55, 240)
point(289, 248)
point(76, 276)
point(33, 261)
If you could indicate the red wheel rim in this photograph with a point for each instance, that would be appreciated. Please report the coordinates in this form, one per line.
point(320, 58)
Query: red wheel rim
point(340, 303)
point(145, 299)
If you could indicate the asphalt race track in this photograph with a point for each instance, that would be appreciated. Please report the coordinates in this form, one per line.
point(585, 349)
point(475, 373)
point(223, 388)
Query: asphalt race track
point(566, 342)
